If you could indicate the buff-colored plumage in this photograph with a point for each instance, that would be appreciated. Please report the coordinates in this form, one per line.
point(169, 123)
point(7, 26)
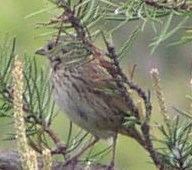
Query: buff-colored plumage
point(85, 91)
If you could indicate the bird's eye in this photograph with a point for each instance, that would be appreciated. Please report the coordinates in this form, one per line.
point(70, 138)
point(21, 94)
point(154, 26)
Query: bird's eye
point(50, 46)
point(64, 50)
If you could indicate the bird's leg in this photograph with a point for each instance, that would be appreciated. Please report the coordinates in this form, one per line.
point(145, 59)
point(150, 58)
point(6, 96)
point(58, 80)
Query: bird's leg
point(112, 164)
point(74, 158)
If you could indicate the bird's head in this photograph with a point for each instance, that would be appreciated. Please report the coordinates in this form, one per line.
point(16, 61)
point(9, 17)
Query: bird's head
point(68, 51)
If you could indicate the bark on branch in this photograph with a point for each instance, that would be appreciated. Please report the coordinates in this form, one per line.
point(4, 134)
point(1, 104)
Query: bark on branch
point(10, 160)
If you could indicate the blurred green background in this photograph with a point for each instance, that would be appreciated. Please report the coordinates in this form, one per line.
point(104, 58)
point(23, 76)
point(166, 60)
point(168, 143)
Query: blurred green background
point(174, 64)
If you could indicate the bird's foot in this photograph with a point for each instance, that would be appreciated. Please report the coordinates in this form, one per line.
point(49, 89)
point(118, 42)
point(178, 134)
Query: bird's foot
point(111, 166)
point(71, 161)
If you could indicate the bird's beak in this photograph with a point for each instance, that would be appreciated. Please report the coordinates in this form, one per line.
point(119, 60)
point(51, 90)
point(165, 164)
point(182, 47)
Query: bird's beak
point(40, 51)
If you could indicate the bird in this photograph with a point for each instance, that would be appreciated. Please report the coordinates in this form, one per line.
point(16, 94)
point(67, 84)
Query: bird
point(85, 91)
